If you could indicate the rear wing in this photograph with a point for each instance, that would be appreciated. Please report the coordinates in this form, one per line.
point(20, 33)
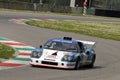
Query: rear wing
point(88, 43)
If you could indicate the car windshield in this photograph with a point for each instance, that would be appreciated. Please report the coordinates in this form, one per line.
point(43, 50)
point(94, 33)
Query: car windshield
point(62, 46)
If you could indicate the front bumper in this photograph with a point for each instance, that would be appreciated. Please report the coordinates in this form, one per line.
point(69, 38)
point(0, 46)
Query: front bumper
point(54, 64)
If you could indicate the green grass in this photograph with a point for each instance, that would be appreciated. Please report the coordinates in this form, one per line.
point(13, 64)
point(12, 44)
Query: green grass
point(6, 52)
point(107, 30)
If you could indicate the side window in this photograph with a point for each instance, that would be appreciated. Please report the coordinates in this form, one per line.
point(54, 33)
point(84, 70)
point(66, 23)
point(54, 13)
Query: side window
point(81, 46)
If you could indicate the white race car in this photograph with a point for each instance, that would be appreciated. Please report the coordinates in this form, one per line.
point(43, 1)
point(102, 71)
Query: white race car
point(64, 53)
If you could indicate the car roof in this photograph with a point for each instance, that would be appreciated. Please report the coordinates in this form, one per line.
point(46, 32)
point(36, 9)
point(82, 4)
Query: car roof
point(64, 41)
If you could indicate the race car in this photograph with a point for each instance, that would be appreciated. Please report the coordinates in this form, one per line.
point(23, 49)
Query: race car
point(64, 53)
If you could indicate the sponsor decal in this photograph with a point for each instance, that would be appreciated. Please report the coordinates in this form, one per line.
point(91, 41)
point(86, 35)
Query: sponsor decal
point(53, 56)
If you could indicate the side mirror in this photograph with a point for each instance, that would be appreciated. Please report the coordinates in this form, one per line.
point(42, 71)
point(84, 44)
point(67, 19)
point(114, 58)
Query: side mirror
point(40, 46)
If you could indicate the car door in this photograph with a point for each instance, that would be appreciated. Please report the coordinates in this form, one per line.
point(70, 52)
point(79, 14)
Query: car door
point(84, 56)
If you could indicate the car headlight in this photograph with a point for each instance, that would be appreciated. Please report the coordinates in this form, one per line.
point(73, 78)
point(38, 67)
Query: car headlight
point(36, 54)
point(67, 58)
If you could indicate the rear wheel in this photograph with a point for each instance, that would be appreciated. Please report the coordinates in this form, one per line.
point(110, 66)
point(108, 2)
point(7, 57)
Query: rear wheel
point(91, 65)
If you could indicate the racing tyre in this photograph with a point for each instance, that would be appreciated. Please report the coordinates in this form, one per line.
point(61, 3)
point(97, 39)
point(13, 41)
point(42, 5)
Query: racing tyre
point(77, 65)
point(92, 63)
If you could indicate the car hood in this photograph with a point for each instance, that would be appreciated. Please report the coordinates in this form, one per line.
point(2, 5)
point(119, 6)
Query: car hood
point(53, 55)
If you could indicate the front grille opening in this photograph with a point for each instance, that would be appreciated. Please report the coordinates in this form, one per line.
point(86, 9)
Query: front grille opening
point(50, 63)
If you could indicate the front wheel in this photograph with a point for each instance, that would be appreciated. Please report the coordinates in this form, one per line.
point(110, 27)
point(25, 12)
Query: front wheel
point(77, 65)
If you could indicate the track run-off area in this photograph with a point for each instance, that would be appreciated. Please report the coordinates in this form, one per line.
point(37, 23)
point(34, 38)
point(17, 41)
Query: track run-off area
point(107, 65)
point(22, 54)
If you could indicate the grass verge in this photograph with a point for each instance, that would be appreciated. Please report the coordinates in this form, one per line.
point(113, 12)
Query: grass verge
point(107, 30)
point(6, 52)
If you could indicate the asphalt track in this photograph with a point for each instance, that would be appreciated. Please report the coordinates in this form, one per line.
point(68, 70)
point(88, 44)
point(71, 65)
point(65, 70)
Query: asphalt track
point(107, 65)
